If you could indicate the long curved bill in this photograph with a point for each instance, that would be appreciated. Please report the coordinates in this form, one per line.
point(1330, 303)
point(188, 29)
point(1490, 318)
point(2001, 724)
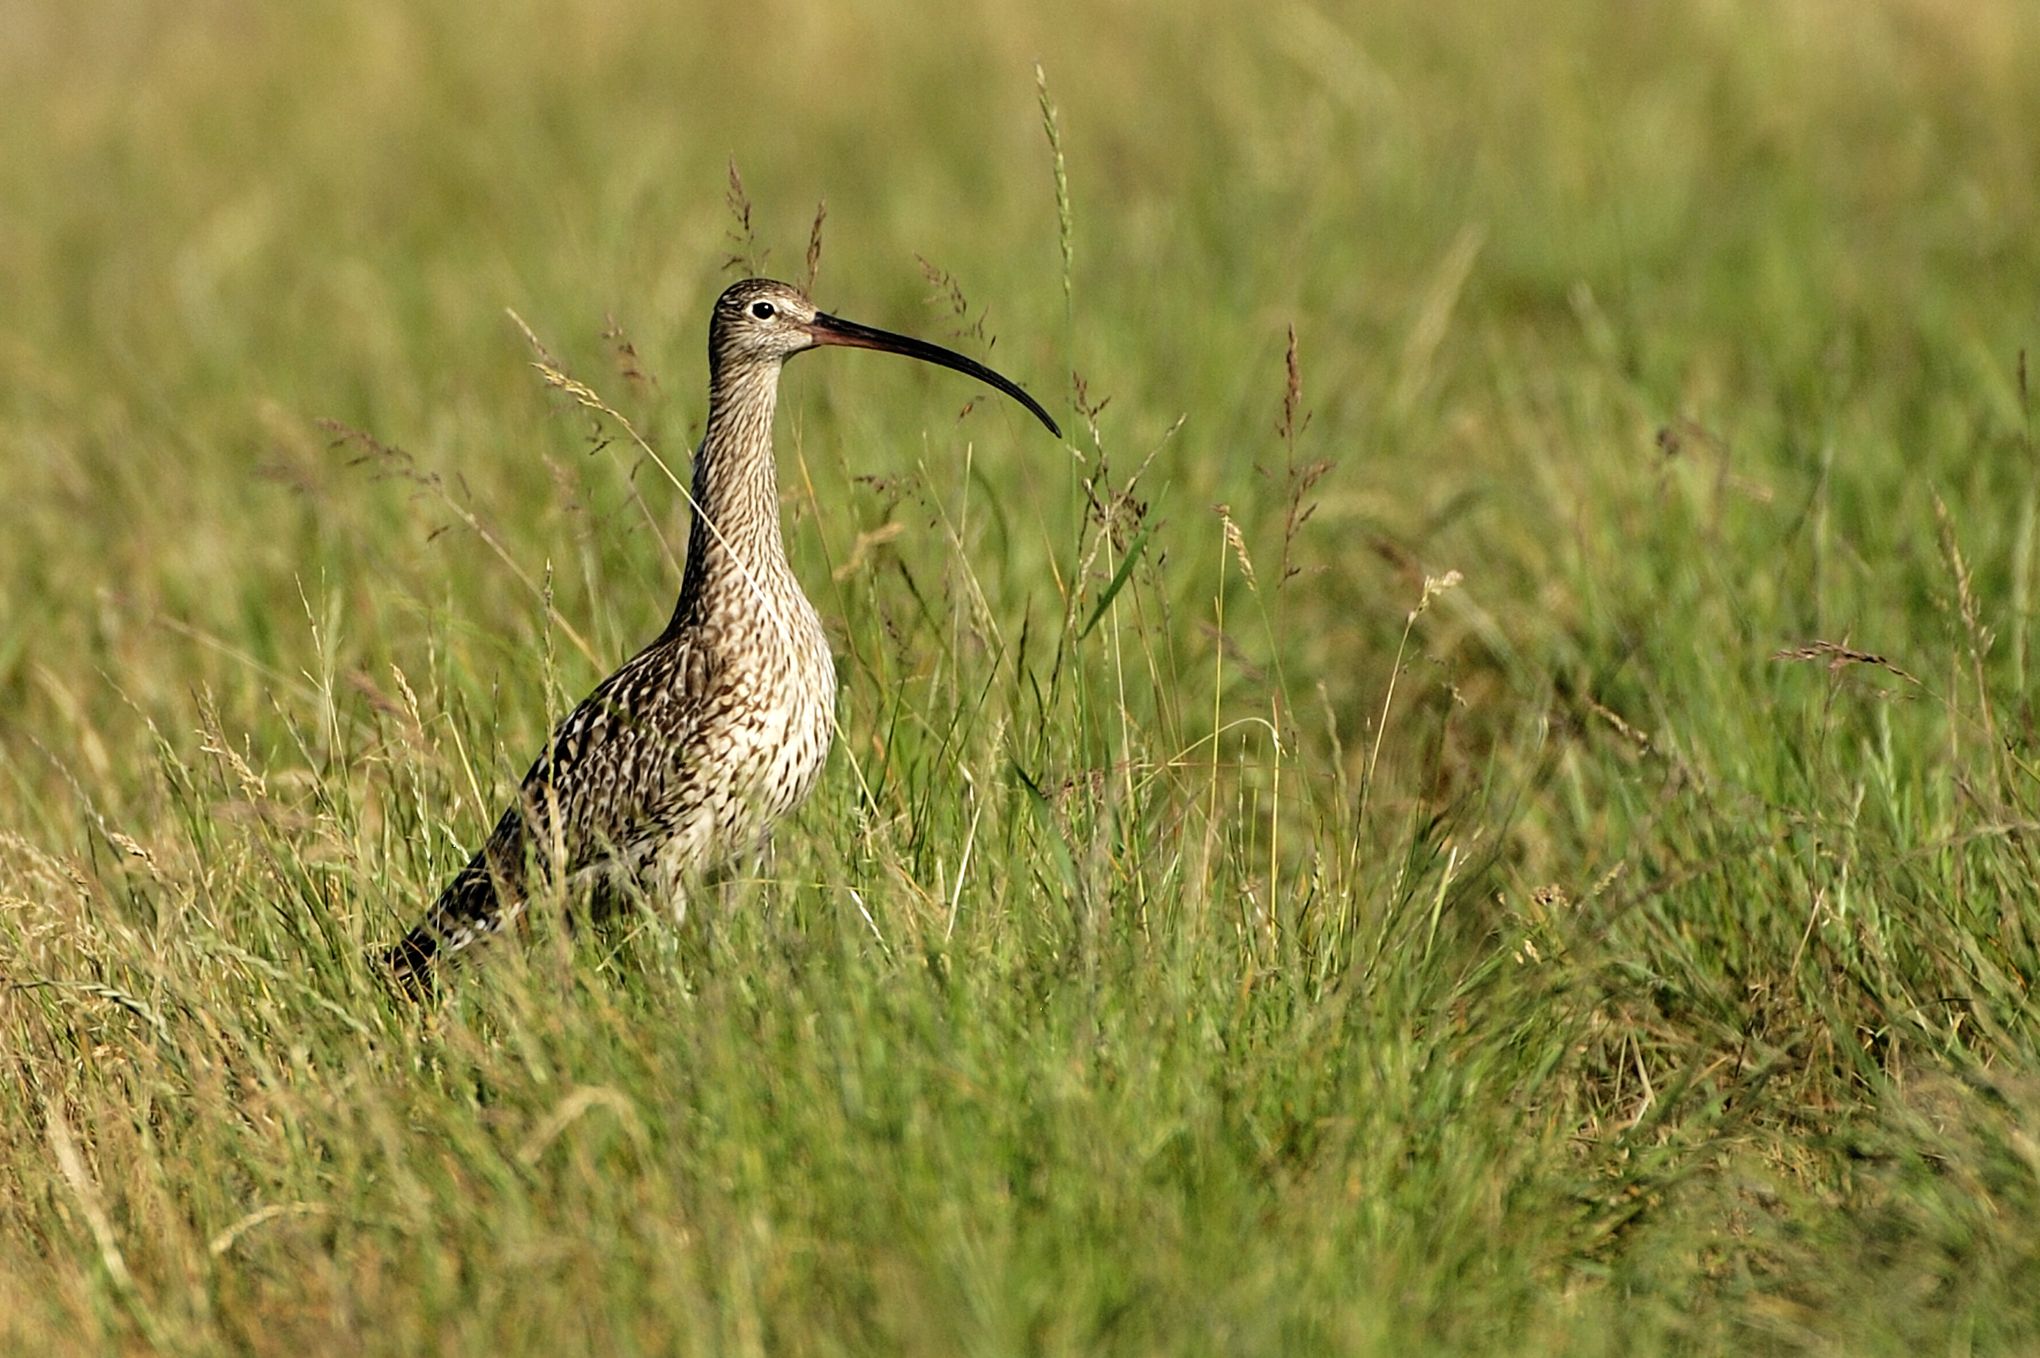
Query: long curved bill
point(828, 329)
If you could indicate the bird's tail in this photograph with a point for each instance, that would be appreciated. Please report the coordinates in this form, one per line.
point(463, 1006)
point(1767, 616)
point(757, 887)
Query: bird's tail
point(468, 911)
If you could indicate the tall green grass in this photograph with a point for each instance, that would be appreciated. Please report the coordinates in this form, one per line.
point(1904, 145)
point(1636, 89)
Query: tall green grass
point(1484, 800)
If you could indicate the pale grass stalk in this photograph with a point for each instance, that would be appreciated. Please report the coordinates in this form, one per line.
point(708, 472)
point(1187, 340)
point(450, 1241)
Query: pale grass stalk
point(1438, 898)
point(2022, 542)
point(962, 871)
point(1274, 820)
point(857, 899)
point(954, 530)
point(1217, 718)
point(467, 767)
point(1381, 722)
point(211, 642)
point(1051, 124)
point(1126, 752)
point(1433, 587)
point(1181, 759)
point(93, 1208)
point(571, 1109)
point(225, 1241)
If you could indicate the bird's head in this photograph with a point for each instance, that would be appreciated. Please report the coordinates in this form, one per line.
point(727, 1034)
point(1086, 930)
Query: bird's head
point(763, 321)
point(759, 319)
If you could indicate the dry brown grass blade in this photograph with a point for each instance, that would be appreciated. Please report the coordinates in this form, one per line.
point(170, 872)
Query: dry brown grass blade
point(1838, 656)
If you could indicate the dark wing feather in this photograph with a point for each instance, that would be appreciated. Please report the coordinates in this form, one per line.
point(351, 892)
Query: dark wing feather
point(586, 799)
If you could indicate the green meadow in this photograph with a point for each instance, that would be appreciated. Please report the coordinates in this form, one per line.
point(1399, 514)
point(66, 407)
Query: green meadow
point(1485, 799)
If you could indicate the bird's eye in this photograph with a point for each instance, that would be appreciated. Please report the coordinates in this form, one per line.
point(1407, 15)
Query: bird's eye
point(762, 310)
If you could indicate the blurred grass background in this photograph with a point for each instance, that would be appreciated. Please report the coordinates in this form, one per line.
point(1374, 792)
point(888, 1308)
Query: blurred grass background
point(1193, 955)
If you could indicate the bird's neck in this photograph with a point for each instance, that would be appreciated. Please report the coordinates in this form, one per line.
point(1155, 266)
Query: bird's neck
point(735, 552)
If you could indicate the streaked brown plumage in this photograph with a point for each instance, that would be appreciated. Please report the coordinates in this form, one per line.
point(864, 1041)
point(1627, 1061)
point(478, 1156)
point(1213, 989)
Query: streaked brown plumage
point(686, 755)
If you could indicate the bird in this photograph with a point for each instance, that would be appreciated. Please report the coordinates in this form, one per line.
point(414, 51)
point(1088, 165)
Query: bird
point(685, 757)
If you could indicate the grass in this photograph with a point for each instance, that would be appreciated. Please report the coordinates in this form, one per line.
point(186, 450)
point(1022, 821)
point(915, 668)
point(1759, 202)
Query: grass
point(1221, 928)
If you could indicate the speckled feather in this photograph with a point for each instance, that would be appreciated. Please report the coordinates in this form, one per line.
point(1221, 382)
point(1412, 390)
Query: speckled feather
point(685, 756)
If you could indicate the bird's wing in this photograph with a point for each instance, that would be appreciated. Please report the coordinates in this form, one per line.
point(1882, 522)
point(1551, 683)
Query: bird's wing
point(592, 797)
point(593, 791)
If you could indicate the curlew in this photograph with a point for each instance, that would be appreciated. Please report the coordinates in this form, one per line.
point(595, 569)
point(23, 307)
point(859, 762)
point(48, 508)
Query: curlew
point(684, 758)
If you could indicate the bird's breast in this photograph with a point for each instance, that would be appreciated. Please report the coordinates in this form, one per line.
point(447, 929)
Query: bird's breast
point(761, 698)
point(772, 711)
